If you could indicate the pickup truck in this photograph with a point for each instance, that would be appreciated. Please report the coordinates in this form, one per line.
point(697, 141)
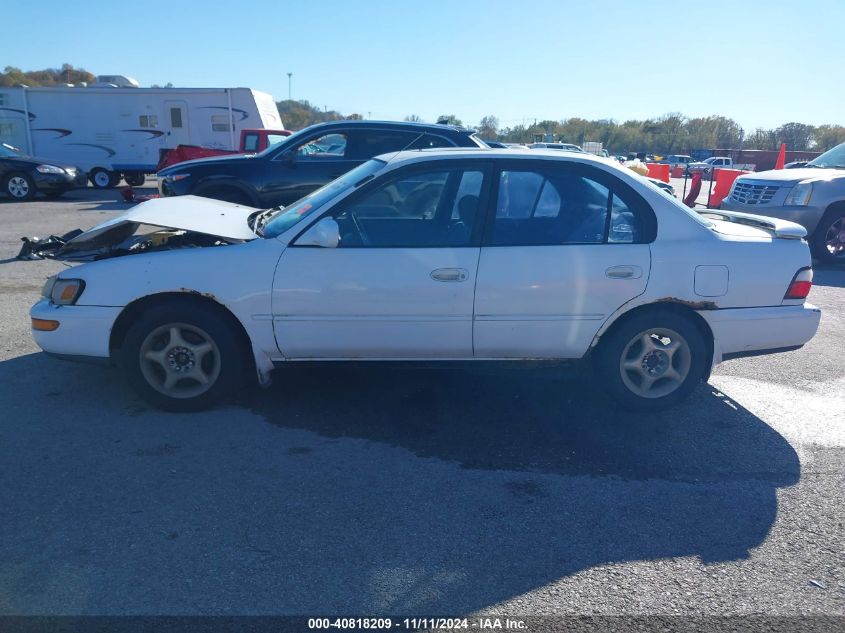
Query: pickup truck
point(253, 140)
point(708, 165)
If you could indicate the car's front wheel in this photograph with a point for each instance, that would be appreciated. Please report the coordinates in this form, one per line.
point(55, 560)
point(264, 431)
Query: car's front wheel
point(652, 360)
point(20, 187)
point(828, 241)
point(183, 357)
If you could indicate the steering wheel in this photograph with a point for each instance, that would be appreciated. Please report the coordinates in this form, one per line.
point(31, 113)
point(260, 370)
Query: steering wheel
point(365, 240)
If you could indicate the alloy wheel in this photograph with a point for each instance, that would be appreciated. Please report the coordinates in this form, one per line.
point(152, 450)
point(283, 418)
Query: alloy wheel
point(179, 360)
point(18, 187)
point(655, 363)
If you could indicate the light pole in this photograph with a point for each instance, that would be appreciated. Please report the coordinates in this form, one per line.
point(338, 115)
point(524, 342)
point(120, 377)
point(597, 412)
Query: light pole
point(289, 92)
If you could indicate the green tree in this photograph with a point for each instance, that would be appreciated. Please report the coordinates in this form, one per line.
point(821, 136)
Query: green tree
point(488, 128)
point(67, 74)
point(449, 119)
point(828, 136)
point(797, 136)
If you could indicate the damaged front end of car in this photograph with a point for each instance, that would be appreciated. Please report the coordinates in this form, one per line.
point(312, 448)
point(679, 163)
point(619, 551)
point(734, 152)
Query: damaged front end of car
point(156, 225)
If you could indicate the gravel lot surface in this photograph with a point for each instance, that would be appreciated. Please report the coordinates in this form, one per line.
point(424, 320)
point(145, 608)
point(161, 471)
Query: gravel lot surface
point(417, 491)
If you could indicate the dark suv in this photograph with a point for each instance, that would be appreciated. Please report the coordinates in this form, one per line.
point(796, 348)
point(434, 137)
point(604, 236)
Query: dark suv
point(305, 161)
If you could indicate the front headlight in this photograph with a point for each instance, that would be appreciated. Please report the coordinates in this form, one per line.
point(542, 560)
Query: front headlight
point(800, 195)
point(49, 169)
point(66, 291)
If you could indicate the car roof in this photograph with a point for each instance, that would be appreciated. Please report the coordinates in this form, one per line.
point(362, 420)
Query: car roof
point(440, 128)
point(422, 155)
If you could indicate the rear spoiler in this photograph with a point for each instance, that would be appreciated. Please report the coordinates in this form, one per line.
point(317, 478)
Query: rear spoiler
point(781, 228)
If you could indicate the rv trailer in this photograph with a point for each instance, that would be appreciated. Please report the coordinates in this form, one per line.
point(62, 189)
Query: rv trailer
point(122, 131)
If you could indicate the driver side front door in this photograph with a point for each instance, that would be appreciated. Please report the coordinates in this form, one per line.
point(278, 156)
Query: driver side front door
point(400, 283)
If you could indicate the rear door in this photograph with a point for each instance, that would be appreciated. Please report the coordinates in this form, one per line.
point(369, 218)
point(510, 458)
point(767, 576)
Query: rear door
point(565, 245)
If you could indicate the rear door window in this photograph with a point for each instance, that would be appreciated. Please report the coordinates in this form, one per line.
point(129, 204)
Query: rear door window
point(556, 205)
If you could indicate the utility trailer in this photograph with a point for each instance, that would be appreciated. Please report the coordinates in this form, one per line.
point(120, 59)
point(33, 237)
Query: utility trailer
point(114, 132)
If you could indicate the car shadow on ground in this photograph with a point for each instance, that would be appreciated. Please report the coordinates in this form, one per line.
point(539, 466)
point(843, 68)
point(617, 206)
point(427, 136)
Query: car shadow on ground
point(375, 489)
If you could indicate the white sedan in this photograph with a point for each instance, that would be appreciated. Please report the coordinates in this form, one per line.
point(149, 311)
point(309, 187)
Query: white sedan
point(433, 255)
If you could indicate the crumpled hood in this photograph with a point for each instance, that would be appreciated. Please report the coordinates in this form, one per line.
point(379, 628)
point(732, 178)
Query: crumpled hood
point(794, 175)
point(189, 213)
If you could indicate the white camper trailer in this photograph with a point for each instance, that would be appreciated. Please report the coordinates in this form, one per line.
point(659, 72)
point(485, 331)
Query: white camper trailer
point(112, 132)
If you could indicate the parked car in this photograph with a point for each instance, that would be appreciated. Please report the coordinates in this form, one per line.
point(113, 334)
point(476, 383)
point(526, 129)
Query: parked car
point(495, 144)
point(812, 196)
point(677, 160)
point(22, 176)
point(569, 147)
point(305, 161)
point(442, 255)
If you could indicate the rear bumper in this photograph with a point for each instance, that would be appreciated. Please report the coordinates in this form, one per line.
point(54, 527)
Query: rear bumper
point(741, 332)
point(84, 331)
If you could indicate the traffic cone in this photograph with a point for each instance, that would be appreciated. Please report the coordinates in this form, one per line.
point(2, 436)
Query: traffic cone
point(781, 157)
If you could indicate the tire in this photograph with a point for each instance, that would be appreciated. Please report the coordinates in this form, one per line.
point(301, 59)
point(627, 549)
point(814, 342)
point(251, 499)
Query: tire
point(103, 178)
point(189, 345)
point(135, 179)
point(19, 186)
point(828, 240)
point(674, 367)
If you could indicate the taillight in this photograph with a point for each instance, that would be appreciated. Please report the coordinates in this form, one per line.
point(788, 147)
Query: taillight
point(801, 284)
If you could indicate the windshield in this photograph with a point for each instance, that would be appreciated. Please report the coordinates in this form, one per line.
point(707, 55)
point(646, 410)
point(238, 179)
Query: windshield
point(287, 217)
point(278, 142)
point(831, 158)
point(7, 151)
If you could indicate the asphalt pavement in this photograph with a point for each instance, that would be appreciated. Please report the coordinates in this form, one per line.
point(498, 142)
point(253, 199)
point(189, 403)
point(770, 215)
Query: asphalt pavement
point(391, 489)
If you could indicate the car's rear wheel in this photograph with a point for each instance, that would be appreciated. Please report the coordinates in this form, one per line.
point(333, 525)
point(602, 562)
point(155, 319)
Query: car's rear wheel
point(134, 179)
point(19, 186)
point(103, 178)
point(182, 357)
point(652, 360)
point(828, 241)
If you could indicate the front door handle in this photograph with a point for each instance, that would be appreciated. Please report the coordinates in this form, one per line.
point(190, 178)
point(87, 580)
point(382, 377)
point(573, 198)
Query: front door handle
point(624, 272)
point(450, 274)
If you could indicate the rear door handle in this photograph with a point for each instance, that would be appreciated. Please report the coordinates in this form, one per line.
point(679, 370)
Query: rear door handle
point(450, 274)
point(624, 272)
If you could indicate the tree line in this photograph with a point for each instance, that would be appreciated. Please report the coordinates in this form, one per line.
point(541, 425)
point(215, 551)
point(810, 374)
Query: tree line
point(67, 74)
point(671, 133)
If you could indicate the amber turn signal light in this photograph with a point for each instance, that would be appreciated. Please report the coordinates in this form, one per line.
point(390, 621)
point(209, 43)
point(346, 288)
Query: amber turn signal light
point(45, 325)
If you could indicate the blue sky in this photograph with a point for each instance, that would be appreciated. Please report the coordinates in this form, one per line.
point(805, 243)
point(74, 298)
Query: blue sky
point(762, 63)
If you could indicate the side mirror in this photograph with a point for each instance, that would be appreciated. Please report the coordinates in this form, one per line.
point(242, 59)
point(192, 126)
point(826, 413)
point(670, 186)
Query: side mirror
point(289, 157)
point(325, 234)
